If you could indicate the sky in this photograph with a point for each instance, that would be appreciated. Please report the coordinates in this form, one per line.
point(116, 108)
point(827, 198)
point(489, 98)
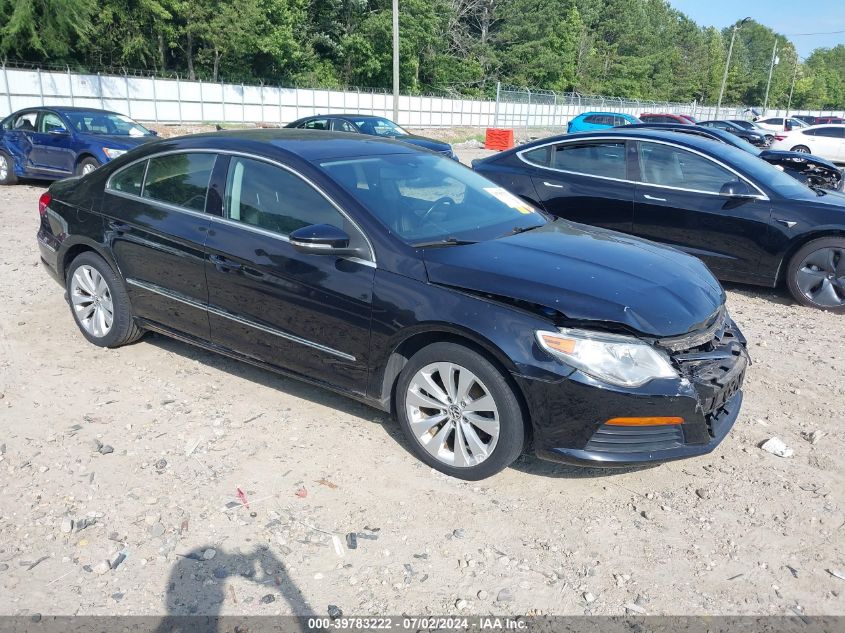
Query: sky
point(786, 17)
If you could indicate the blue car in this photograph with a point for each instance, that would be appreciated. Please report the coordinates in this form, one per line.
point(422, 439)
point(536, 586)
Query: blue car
point(590, 121)
point(49, 143)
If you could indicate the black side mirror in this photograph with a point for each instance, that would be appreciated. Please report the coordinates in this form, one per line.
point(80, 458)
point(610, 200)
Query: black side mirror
point(321, 239)
point(737, 189)
point(153, 132)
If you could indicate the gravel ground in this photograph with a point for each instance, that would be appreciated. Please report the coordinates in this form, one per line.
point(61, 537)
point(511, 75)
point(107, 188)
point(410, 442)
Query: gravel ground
point(159, 478)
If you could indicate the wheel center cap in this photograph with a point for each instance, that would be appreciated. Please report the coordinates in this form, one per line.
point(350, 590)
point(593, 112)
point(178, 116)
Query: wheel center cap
point(455, 412)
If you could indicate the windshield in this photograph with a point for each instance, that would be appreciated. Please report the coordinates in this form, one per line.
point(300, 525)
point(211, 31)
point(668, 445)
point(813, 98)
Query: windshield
point(105, 123)
point(379, 127)
point(426, 198)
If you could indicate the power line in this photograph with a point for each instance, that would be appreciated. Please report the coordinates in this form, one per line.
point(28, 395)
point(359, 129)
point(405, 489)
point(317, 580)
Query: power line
point(820, 33)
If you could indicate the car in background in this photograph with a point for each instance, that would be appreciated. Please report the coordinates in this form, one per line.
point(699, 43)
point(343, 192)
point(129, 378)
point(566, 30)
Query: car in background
point(809, 119)
point(49, 143)
point(747, 220)
point(689, 118)
point(750, 125)
point(838, 120)
point(373, 126)
point(779, 123)
point(823, 140)
point(813, 171)
point(758, 138)
point(588, 121)
point(404, 280)
point(648, 117)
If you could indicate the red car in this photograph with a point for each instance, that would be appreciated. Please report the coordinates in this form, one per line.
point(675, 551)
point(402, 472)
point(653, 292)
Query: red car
point(828, 119)
point(665, 118)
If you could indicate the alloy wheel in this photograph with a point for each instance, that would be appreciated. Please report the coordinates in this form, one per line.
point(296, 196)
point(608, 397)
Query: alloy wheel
point(4, 167)
point(88, 168)
point(92, 301)
point(452, 414)
point(821, 277)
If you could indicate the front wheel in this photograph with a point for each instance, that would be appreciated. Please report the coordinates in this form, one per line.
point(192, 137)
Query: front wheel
point(459, 412)
point(7, 170)
point(86, 166)
point(816, 274)
point(99, 302)
point(802, 149)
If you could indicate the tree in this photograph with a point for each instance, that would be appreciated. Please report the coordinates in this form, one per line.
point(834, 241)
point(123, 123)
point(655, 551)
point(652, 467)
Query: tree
point(45, 29)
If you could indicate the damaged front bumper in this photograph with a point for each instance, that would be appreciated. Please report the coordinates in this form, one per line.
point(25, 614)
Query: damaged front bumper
point(570, 416)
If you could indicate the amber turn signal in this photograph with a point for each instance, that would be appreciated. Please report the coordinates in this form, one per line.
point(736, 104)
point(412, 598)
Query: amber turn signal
point(654, 421)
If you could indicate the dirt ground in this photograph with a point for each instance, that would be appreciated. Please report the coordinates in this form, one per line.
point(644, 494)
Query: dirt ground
point(161, 525)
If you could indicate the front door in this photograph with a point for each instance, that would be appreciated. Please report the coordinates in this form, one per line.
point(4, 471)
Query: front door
point(679, 202)
point(307, 313)
point(51, 145)
point(585, 182)
point(156, 225)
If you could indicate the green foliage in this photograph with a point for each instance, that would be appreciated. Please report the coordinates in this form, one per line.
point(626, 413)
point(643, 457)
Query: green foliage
point(641, 49)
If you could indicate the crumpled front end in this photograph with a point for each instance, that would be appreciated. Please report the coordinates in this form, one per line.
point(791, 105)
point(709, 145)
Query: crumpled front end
point(661, 421)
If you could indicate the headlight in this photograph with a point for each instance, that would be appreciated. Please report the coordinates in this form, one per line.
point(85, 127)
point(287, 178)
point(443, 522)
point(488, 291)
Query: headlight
point(617, 359)
point(113, 153)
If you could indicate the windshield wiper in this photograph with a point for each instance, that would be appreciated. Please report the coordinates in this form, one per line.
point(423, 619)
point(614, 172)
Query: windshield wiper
point(448, 241)
point(522, 229)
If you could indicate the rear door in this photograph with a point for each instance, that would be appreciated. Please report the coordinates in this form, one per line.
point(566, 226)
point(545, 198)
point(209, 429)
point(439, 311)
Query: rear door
point(156, 223)
point(51, 145)
point(306, 313)
point(18, 137)
point(829, 141)
point(678, 202)
point(585, 182)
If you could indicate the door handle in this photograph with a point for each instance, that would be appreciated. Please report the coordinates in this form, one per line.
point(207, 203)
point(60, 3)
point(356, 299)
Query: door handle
point(224, 265)
point(551, 184)
point(648, 197)
point(118, 227)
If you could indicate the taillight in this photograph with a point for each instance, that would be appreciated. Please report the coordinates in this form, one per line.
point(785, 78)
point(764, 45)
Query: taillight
point(43, 202)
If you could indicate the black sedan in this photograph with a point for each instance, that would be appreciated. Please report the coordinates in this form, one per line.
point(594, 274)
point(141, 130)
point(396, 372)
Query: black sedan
point(810, 169)
point(746, 219)
point(405, 280)
point(373, 126)
point(758, 138)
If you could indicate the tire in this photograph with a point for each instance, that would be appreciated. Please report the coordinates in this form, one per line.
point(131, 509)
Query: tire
point(801, 148)
point(90, 276)
point(816, 274)
point(7, 170)
point(501, 414)
point(769, 139)
point(86, 166)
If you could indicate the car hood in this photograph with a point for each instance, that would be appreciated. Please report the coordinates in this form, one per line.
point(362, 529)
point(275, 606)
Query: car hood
point(789, 159)
point(118, 142)
point(588, 274)
point(427, 143)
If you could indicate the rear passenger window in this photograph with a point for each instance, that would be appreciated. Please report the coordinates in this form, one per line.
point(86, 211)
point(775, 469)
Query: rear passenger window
point(129, 180)
point(594, 159)
point(271, 198)
point(180, 179)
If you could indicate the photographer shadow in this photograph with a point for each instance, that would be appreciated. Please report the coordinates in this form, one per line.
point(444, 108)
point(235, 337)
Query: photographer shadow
point(198, 588)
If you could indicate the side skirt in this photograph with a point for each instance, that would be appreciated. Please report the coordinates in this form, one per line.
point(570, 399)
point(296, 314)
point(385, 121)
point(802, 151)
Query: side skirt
point(224, 351)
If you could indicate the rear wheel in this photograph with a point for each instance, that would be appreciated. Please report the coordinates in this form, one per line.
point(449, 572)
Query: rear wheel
point(99, 302)
point(7, 170)
point(803, 149)
point(459, 412)
point(86, 166)
point(816, 274)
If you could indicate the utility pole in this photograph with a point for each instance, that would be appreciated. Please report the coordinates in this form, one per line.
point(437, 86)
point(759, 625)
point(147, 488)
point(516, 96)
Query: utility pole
point(396, 61)
point(771, 69)
point(728, 65)
point(791, 88)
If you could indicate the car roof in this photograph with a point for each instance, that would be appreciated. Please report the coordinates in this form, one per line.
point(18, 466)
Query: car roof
point(604, 113)
point(344, 115)
point(311, 145)
point(680, 138)
point(62, 109)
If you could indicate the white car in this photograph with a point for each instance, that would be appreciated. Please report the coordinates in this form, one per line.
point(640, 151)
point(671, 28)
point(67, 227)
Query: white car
point(827, 141)
point(779, 123)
